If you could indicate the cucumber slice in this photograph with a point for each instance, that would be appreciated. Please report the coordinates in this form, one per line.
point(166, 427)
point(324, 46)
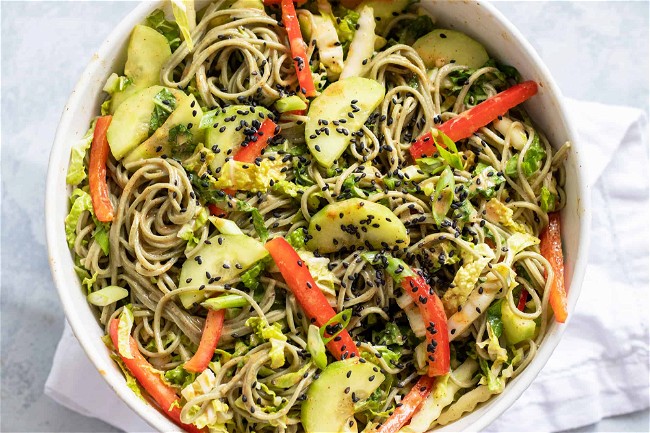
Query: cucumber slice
point(130, 124)
point(226, 257)
point(147, 52)
point(331, 106)
point(384, 10)
point(443, 46)
point(355, 222)
point(515, 328)
point(225, 135)
point(329, 406)
point(187, 113)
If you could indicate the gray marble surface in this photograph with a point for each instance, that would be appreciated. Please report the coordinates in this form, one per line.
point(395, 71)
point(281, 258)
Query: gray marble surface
point(596, 51)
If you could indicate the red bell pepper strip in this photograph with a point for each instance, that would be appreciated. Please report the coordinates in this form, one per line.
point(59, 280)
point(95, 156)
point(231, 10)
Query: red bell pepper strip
point(209, 339)
point(433, 314)
point(216, 210)
point(278, 2)
point(97, 171)
point(253, 149)
point(308, 295)
point(551, 248)
point(523, 297)
point(410, 404)
point(150, 379)
point(298, 48)
point(468, 122)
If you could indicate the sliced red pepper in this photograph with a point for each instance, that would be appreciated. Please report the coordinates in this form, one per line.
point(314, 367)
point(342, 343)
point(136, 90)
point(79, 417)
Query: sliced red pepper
point(468, 122)
point(311, 299)
point(551, 248)
point(216, 210)
point(278, 2)
point(409, 405)
point(209, 340)
point(433, 314)
point(298, 49)
point(253, 149)
point(523, 297)
point(150, 379)
point(99, 192)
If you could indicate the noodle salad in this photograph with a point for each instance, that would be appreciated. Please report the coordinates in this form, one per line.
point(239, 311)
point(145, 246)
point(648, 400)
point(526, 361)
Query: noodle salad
point(316, 217)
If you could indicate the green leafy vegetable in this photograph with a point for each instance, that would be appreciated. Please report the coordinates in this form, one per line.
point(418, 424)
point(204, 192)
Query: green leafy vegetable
point(505, 71)
point(301, 174)
point(346, 24)
point(131, 381)
point(180, 138)
point(242, 176)
point(89, 282)
point(188, 231)
point(351, 189)
point(494, 318)
point(168, 29)
point(389, 336)
point(81, 202)
point(77, 169)
point(180, 377)
point(413, 30)
point(451, 156)
point(297, 239)
point(547, 199)
point(493, 382)
point(258, 219)
point(164, 104)
point(395, 267)
point(431, 166)
point(486, 180)
point(124, 332)
point(532, 160)
point(251, 278)
point(273, 334)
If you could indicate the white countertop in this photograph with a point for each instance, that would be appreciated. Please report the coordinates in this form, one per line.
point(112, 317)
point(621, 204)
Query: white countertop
point(596, 51)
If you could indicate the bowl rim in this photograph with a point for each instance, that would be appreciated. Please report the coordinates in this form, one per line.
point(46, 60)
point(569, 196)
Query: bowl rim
point(57, 247)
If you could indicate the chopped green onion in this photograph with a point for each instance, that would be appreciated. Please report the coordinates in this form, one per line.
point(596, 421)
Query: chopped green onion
point(290, 103)
point(107, 296)
point(226, 226)
point(452, 158)
point(443, 196)
point(316, 347)
point(225, 301)
point(343, 318)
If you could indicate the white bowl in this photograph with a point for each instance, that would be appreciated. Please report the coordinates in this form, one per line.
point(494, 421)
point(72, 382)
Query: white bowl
point(480, 20)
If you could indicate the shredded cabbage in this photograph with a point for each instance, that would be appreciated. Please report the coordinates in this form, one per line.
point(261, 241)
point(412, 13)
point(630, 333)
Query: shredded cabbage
point(124, 332)
point(77, 169)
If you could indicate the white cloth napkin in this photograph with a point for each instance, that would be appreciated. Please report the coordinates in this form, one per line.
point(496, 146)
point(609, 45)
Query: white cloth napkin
point(600, 368)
